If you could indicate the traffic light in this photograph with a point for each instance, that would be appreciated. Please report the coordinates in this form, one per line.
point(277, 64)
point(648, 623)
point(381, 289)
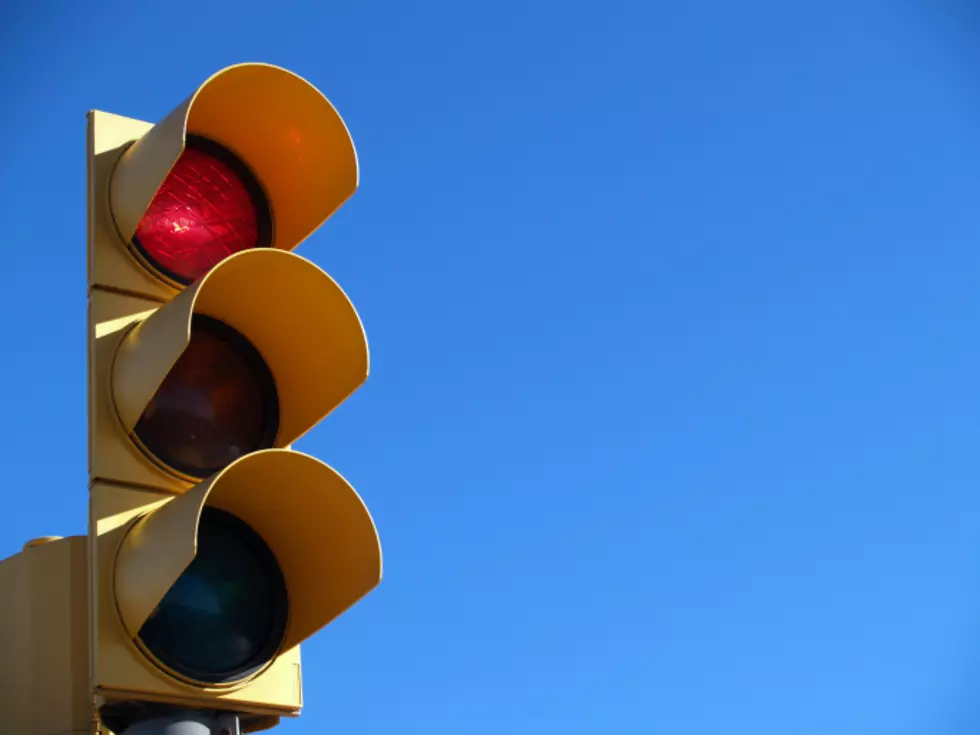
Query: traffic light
point(214, 548)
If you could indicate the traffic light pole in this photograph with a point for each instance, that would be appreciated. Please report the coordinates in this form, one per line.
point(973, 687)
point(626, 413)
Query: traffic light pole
point(187, 723)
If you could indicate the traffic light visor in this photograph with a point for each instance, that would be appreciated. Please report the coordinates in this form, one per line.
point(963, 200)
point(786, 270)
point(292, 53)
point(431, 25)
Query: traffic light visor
point(270, 158)
point(290, 349)
point(314, 523)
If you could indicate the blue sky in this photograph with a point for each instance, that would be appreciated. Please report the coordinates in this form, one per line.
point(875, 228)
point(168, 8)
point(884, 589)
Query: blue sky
point(674, 314)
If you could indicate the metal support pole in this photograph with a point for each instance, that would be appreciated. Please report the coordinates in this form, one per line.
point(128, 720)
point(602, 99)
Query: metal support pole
point(187, 723)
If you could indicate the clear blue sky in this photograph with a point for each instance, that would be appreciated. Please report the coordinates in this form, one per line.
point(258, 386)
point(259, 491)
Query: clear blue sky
point(674, 309)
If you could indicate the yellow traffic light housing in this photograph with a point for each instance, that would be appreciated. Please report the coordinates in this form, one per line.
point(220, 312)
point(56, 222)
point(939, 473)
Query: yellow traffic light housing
point(276, 123)
point(44, 637)
point(317, 528)
point(212, 348)
point(297, 318)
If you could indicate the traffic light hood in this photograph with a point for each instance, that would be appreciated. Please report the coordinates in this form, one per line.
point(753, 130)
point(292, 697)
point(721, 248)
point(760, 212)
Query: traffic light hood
point(316, 525)
point(277, 123)
point(292, 312)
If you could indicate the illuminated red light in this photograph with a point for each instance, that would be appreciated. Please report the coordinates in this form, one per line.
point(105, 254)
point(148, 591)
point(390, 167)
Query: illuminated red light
point(209, 207)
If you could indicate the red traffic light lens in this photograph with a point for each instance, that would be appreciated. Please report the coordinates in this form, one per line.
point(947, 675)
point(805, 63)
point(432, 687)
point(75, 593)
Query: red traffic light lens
point(210, 206)
point(217, 403)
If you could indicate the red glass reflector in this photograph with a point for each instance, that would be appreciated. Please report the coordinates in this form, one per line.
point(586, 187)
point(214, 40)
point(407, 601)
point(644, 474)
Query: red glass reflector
point(209, 207)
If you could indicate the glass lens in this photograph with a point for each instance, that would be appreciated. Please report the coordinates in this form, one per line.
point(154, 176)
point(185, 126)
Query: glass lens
point(208, 207)
point(217, 403)
point(226, 613)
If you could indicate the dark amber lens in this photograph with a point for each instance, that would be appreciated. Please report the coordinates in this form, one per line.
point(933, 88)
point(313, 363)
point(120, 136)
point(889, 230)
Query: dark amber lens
point(226, 614)
point(216, 404)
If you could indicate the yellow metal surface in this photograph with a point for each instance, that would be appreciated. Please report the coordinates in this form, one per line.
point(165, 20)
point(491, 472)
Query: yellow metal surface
point(112, 453)
point(291, 137)
point(40, 541)
point(318, 528)
point(111, 509)
point(301, 322)
point(43, 637)
point(296, 316)
point(141, 169)
point(110, 263)
point(120, 671)
point(276, 122)
point(316, 525)
point(156, 550)
point(146, 354)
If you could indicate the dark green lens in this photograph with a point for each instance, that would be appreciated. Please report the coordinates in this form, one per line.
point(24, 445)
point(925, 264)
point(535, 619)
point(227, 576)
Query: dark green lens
point(226, 614)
